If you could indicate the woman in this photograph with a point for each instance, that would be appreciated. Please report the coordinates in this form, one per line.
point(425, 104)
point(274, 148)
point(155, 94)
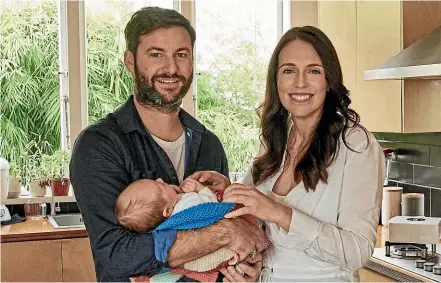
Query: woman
point(317, 182)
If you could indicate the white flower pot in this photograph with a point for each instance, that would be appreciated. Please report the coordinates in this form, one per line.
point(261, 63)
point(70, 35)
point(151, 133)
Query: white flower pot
point(36, 190)
point(14, 188)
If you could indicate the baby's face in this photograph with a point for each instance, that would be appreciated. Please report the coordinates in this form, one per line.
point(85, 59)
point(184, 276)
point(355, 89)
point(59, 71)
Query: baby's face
point(168, 192)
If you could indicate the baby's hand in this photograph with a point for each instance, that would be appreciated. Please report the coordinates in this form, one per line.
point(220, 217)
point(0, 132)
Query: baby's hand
point(191, 185)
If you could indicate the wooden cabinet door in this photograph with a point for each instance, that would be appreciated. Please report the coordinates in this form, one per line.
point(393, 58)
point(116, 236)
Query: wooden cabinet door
point(338, 20)
point(78, 263)
point(379, 103)
point(31, 261)
point(422, 99)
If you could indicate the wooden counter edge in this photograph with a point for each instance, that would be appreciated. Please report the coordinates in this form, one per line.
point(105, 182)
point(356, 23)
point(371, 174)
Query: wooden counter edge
point(53, 235)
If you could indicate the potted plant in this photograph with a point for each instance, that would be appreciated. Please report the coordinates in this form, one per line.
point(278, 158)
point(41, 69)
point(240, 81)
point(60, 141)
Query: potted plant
point(56, 167)
point(33, 175)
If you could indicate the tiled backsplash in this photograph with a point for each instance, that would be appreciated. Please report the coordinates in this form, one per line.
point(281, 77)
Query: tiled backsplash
point(416, 166)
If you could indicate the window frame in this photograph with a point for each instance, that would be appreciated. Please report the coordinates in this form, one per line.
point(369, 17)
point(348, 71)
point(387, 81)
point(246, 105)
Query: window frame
point(63, 76)
point(75, 28)
point(190, 103)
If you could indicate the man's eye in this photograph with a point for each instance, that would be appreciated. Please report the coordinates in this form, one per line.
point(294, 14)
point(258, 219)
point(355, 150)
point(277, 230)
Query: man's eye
point(155, 54)
point(182, 55)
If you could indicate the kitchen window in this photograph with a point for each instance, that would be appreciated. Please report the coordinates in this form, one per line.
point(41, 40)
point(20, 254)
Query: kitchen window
point(32, 91)
point(235, 40)
point(109, 84)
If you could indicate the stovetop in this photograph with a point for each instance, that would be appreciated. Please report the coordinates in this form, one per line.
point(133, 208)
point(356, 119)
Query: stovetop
point(411, 251)
point(409, 264)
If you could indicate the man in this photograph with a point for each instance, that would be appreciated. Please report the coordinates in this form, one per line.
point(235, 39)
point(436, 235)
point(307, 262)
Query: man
point(150, 137)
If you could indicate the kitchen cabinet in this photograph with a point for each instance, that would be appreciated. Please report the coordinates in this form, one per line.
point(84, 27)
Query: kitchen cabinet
point(337, 20)
point(378, 39)
point(368, 33)
point(31, 261)
point(77, 258)
point(367, 275)
point(64, 260)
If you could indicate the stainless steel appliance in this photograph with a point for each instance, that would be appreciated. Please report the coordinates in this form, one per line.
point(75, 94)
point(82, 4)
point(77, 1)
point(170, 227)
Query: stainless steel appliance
point(412, 246)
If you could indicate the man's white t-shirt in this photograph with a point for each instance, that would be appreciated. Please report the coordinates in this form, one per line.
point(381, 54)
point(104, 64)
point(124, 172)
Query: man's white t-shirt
point(176, 152)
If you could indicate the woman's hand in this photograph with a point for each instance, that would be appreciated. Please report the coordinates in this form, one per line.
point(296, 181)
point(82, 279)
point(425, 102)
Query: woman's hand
point(257, 204)
point(250, 270)
point(212, 179)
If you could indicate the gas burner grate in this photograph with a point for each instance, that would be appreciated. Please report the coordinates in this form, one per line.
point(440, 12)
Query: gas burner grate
point(411, 251)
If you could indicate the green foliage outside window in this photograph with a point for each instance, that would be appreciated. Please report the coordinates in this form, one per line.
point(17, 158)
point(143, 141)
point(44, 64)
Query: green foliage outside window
point(30, 107)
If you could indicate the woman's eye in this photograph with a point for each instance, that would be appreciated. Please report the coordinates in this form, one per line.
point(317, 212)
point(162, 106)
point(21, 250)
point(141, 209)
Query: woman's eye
point(288, 71)
point(316, 72)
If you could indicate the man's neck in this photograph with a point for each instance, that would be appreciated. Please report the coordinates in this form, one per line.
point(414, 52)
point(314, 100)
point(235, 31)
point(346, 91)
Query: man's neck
point(165, 126)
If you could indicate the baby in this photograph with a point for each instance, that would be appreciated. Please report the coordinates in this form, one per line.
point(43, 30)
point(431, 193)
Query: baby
point(144, 204)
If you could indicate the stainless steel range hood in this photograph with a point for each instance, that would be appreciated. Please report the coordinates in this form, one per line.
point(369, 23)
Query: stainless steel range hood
point(420, 60)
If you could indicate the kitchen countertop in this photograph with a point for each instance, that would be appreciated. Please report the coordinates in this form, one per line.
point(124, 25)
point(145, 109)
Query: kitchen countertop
point(40, 229)
point(382, 236)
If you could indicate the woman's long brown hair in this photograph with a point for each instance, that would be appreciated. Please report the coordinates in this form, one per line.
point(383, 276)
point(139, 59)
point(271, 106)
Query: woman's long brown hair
point(336, 119)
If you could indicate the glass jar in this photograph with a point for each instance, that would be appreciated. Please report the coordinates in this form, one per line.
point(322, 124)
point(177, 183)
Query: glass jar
point(34, 209)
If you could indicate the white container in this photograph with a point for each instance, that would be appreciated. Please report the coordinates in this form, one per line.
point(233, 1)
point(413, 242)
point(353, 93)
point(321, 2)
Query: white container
point(412, 204)
point(415, 230)
point(4, 187)
point(14, 188)
point(391, 204)
point(4, 179)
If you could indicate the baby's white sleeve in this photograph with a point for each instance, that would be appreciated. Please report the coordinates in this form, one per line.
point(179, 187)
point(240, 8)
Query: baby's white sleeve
point(191, 199)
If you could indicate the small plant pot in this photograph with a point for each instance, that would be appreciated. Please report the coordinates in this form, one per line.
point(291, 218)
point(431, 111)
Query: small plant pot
point(60, 187)
point(14, 188)
point(37, 189)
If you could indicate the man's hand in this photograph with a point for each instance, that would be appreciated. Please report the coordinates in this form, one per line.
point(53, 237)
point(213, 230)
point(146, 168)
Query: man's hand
point(237, 234)
point(212, 179)
point(245, 238)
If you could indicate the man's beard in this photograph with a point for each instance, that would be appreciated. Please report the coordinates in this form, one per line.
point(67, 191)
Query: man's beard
point(149, 96)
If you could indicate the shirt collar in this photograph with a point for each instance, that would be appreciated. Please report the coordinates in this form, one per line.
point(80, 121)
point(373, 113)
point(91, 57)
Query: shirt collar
point(128, 118)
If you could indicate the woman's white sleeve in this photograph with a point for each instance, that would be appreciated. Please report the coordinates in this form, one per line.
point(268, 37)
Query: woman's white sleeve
point(351, 242)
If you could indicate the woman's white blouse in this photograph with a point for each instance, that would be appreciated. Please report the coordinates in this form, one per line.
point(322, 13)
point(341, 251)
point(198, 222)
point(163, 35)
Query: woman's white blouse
point(333, 229)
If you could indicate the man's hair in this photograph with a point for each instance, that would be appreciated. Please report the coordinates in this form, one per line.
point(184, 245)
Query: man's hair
point(148, 19)
point(138, 213)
